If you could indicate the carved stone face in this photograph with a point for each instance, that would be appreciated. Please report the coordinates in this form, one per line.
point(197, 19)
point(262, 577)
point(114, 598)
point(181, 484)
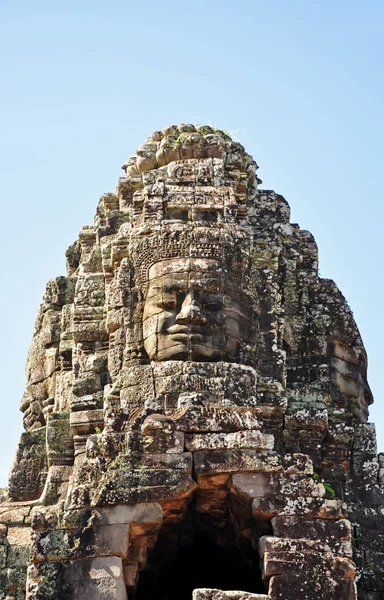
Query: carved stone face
point(192, 312)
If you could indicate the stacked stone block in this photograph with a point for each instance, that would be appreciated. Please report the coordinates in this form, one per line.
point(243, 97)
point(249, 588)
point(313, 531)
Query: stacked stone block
point(191, 376)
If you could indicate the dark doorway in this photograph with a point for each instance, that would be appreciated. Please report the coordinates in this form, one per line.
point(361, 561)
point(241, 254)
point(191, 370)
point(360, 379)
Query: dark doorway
point(203, 564)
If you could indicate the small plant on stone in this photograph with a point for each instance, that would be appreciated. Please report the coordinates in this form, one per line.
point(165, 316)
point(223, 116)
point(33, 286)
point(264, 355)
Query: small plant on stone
point(328, 488)
point(184, 138)
point(225, 134)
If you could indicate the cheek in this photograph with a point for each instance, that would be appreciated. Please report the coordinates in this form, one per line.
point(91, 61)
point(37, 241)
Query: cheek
point(217, 337)
point(232, 326)
point(150, 326)
point(215, 318)
point(165, 320)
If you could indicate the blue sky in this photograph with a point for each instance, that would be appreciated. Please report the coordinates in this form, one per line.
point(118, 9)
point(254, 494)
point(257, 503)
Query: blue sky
point(83, 83)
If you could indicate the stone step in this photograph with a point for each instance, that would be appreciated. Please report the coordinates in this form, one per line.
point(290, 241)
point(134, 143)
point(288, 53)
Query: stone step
point(212, 594)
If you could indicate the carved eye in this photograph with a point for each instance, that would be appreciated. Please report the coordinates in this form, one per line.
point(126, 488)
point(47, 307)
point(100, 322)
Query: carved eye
point(169, 302)
point(214, 306)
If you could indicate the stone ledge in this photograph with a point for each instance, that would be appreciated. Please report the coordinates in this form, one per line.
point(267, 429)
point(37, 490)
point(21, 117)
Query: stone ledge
point(212, 594)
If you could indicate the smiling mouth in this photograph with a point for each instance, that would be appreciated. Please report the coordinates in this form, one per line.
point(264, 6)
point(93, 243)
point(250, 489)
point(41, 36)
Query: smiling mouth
point(193, 333)
point(187, 337)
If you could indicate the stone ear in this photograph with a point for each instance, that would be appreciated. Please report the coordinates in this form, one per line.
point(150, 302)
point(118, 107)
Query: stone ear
point(141, 294)
point(135, 352)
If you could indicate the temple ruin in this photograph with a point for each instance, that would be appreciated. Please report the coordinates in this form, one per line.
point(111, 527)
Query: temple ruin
point(196, 407)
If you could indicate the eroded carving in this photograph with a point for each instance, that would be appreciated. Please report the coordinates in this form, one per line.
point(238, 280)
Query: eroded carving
point(193, 351)
point(193, 311)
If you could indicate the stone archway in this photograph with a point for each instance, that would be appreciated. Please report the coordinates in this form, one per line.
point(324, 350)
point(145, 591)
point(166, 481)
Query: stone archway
point(173, 573)
point(206, 541)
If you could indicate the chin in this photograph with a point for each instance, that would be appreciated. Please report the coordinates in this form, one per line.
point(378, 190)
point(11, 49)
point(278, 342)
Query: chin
point(204, 353)
point(176, 352)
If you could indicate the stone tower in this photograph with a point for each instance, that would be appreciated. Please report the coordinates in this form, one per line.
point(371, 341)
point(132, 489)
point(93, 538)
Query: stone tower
point(196, 404)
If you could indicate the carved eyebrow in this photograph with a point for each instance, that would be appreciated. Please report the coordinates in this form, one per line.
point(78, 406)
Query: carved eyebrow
point(174, 285)
point(153, 293)
point(204, 276)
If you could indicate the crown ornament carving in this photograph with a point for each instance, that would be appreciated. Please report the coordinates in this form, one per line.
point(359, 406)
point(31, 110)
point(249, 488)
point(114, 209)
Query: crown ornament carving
point(191, 374)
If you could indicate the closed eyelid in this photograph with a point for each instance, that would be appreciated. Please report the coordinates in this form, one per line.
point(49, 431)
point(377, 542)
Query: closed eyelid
point(213, 300)
point(169, 295)
point(169, 289)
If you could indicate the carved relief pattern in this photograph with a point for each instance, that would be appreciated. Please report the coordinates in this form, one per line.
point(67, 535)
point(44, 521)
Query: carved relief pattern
point(192, 350)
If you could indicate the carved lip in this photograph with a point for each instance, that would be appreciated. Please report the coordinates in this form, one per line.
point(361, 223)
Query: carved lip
point(196, 337)
point(180, 337)
point(174, 329)
point(183, 332)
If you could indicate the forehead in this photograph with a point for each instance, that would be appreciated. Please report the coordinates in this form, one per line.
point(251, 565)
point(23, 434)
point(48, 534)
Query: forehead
point(204, 274)
point(199, 267)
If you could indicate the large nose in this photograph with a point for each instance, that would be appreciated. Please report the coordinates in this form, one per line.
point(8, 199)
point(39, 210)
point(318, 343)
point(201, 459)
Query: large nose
point(191, 311)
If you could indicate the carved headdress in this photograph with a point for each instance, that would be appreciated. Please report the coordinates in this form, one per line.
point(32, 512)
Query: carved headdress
point(231, 377)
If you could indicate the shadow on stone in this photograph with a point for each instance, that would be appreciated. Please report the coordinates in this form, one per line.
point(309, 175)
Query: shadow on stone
point(202, 564)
